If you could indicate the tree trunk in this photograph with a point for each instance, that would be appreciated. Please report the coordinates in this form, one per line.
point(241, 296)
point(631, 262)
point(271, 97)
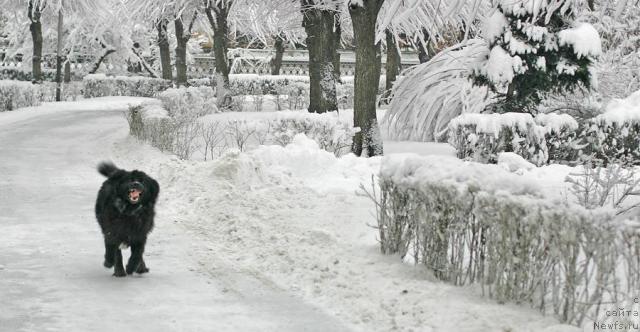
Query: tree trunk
point(393, 65)
point(59, 58)
point(320, 26)
point(217, 13)
point(336, 54)
point(67, 71)
point(368, 141)
point(36, 35)
point(182, 38)
point(165, 52)
point(276, 62)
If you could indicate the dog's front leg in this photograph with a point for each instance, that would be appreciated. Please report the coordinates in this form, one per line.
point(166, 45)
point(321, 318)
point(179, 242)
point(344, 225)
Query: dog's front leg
point(137, 249)
point(119, 270)
point(109, 254)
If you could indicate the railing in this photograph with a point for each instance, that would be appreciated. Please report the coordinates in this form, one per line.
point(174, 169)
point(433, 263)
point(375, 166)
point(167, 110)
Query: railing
point(244, 61)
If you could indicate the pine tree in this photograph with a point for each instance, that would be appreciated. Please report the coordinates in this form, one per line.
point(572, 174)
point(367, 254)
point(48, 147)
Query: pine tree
point(535, 50)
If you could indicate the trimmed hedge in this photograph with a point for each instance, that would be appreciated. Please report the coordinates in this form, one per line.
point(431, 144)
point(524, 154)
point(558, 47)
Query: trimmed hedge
point(478, 224)
point(100, 85)
point(16, 94)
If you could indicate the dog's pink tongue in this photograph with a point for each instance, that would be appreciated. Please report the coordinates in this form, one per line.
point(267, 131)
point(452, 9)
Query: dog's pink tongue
point(134, 194)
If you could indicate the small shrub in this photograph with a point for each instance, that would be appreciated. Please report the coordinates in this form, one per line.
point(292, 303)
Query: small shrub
point(189, 102)
point(15, 94)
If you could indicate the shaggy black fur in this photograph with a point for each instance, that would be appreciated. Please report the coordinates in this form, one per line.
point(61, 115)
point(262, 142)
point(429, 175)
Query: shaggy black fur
point(125, 211)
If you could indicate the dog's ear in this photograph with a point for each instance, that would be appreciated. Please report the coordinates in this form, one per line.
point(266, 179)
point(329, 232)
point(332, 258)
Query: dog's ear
point(153, 189)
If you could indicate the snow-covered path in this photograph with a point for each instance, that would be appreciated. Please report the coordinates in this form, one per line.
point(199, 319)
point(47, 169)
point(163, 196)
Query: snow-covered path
point(51, 274)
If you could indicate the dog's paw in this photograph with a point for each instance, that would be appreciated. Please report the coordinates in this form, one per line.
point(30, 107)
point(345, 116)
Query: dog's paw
point(119, 274)
point(131, 269)
point(108, 264)
point(142, 269)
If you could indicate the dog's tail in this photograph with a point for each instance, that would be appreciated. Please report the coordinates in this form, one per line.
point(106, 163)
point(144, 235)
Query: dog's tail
point(107, 168)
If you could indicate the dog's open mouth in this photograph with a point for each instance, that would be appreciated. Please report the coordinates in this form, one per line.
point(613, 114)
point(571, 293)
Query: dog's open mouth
point(134, 195)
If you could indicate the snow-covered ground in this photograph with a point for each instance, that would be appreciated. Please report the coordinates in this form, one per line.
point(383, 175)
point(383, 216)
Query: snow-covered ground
point(273, 239)
point(51, 274)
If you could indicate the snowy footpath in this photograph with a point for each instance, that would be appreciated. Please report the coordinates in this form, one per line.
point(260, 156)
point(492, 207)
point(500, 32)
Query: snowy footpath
point(274, 239)
point(51, 274)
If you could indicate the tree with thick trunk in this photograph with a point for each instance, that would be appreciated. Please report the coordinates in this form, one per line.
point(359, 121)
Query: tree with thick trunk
point(217, 12)
point(393, 65)
point(276, 62)
point(35, 14)
point(165, 51)
point(323, 36)
point(183, 34)
point(368, 141)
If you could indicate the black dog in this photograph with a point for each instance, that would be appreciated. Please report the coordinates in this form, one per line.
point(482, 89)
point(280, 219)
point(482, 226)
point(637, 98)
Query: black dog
point(125, 211)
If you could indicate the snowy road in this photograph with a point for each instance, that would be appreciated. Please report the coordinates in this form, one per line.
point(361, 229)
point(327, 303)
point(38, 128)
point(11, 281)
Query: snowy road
point(51, 274)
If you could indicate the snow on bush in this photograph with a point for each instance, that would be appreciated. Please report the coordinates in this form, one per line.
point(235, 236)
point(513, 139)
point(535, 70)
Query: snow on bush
point(214, 134)
point(583, 38)
point(433, 93)
point(189, 102)
point(534, 53)
point(615, 134)
point(560, 135)
point(481, 137)
point(16, 94)
point(540, 139)
point(100, 85)
point(291, 91)
point(24, 74)
point(475, 223)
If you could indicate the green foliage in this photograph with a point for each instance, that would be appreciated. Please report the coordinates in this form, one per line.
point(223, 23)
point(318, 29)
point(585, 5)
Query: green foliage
point(537, 78)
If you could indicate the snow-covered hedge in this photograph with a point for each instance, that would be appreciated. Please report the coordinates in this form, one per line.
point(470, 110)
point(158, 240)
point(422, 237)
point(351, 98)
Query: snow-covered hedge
point(24, 74)
point(70, 91)
point(615, 134)
point(188, 136)
point(100, 85)
point(560, 135)
point(545, 138)
point(481, 137)
point(292, 91)
point(190, 102)
point(16, 94)
point(475, 223)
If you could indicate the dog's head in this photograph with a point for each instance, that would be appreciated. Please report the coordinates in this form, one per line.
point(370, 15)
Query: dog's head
point(137, 188)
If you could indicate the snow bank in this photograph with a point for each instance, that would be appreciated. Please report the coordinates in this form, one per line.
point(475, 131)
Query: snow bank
point(290, 216)
point(584, 39)
point(514, 163)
